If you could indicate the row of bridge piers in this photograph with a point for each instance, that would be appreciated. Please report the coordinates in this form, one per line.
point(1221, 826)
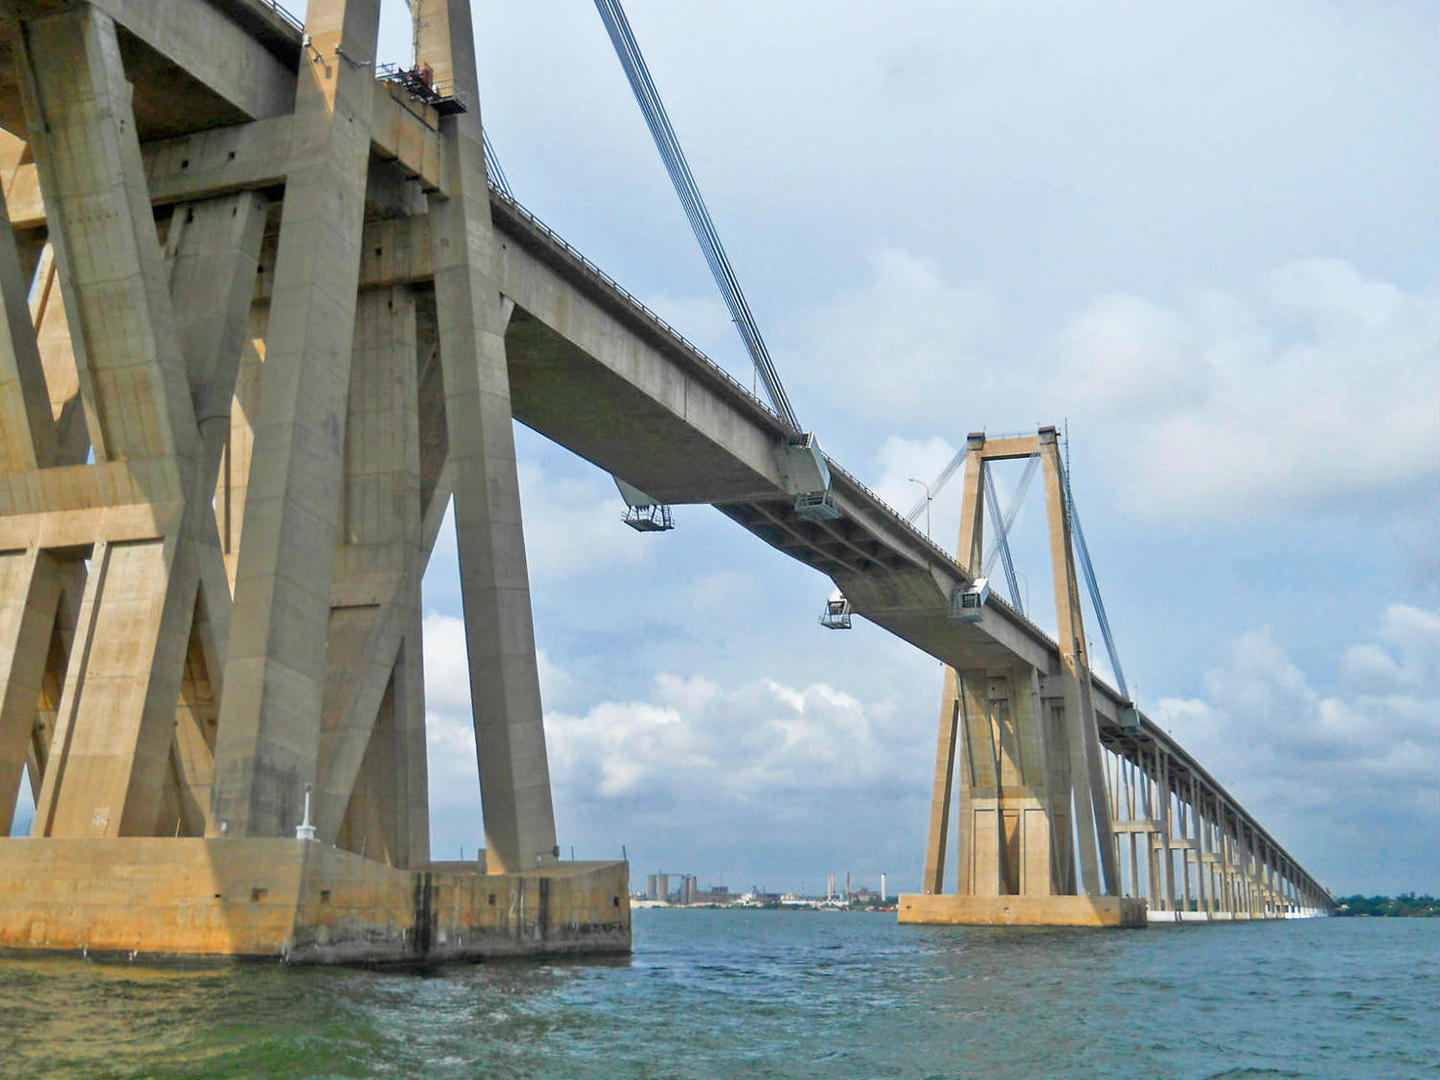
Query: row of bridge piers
point(1189, 854)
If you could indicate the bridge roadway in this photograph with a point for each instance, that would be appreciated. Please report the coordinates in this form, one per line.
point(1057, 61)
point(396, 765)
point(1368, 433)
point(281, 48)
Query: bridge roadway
point(595, 370)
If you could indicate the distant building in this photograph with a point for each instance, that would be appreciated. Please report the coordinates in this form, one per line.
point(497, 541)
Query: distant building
point(652, 887)
point(662, 886)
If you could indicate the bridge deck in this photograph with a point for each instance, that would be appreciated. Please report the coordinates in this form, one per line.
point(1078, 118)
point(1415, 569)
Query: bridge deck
point(892, 573)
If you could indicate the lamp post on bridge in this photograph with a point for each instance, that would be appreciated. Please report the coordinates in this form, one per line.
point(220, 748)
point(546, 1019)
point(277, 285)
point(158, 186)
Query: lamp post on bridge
point(928, 499)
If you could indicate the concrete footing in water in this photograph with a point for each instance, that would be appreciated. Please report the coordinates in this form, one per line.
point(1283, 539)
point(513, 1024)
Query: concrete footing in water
point(299, 901)
point(951, 909)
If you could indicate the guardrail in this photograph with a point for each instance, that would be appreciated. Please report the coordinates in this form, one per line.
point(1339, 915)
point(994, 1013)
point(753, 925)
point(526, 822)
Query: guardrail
point(610, 283)
point(283, 12)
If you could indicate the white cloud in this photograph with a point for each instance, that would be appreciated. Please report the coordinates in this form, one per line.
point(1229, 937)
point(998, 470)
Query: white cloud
point(1125, 353)
point(572, 523)
point(716, 591)
point(1317, 390)
point(1345, 776)
point(760, 739)
point(1311, 391)
point(902, 336)
point(760, 777)
point(903, 460)
point(447, 672)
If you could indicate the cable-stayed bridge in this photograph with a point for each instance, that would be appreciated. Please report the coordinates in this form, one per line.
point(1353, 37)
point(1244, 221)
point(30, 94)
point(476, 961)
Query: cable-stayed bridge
point(266, 316)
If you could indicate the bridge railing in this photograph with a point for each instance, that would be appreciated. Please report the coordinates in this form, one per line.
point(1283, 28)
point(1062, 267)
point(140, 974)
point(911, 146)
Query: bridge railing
point(660, 324)
point(282, 11)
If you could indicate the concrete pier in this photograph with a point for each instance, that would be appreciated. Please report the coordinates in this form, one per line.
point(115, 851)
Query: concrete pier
point(226, 450)
point(299, 901)
point(956, 910)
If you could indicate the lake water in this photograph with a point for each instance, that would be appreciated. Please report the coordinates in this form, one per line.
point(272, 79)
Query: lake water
point(757, 994)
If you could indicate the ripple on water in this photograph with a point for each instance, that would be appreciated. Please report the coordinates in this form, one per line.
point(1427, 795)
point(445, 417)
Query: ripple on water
point(762, 994)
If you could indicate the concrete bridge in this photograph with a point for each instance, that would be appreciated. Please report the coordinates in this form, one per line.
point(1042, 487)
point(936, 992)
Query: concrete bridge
point(265, 319)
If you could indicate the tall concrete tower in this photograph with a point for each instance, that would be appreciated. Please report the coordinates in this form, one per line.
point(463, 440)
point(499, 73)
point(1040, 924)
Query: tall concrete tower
point(252, 349)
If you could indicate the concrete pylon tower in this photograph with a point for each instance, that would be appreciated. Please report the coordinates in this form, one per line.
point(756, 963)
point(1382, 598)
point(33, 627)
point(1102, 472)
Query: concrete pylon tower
point(233, 413)
point(471, 320)
point(1022, 747)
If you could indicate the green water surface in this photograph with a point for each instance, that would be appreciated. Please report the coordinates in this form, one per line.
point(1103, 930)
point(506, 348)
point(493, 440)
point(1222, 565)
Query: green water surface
point(759, 994)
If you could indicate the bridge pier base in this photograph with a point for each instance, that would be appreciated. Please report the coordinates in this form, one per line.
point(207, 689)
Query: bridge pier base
point(953, 909)
point(299, 901)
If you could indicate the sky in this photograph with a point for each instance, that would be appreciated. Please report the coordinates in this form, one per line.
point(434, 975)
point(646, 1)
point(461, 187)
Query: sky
point(1200, 237)
point(1203, 237)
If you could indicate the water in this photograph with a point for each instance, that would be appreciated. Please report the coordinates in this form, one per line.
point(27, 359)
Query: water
point(758, 994)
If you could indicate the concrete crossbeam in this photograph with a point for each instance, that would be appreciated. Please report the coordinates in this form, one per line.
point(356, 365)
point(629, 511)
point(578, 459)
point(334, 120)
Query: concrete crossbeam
point(250, 156)
point(214, 50)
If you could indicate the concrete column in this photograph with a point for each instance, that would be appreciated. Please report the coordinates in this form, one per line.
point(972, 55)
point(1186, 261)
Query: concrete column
point(211, 251)
point(1197, 846)
point(1206, 854)
point(1034, 802)
point(1247, 870)
point(1237, 878)
point(972, 507)
point(275, 667)
point(412, 776)
point(1009, 825)
point(946, 741)
point(1231, 840)
point(375, 598)
point(1167, 825)
point(29, 596)
point(1147, 811)
point(1157, 838)
point(1133, 838)
point(103, 232)
point(27, 432)
point(1098, 864)
point(499, 631)
point(109, 771)
point(1061, 795)
point(964, 816)
point(74, 414)
point(982, 825)
point(212, 248)
point(233, 480)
